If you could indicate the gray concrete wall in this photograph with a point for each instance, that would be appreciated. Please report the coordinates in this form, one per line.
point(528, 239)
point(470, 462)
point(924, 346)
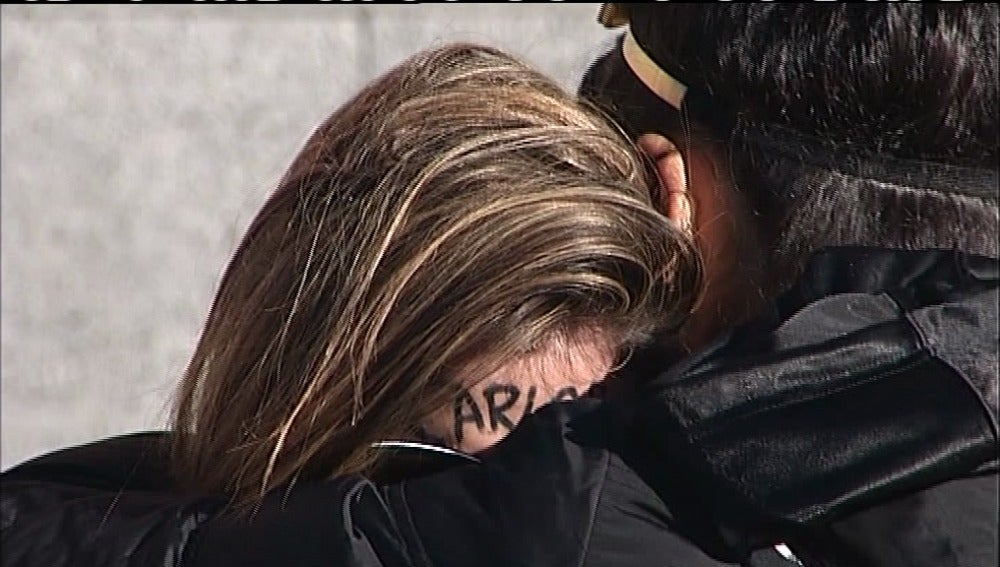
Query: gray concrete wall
point(138, 141)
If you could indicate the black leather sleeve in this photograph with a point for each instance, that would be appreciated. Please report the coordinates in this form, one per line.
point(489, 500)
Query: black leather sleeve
point(100, 504)
point(874, 378)
point(339, 522)
point(550, 494)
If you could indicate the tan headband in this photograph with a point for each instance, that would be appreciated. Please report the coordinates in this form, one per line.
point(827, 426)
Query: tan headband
point(655, 78)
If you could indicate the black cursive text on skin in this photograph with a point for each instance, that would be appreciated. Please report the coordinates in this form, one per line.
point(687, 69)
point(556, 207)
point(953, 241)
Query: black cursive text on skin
point(498, 401)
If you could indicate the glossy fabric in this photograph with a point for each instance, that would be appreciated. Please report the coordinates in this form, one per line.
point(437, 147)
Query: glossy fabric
point(855, 422)
point(873, 377)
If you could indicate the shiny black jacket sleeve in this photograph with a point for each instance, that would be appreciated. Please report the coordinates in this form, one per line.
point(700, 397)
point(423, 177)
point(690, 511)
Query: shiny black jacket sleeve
point(850, 423)
point(875, 377)
point(551, 494)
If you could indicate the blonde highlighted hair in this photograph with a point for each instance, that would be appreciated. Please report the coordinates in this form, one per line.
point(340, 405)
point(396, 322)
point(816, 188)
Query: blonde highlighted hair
point(456, 214)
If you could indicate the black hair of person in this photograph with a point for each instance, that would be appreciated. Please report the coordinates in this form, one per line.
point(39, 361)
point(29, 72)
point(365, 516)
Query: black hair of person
point(843, 124)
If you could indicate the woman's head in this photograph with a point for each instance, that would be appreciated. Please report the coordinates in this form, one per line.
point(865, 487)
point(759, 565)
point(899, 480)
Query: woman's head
point(841, 124)
point(460, 215)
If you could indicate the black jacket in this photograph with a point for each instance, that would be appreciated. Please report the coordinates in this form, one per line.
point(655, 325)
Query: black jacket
point(855, 424)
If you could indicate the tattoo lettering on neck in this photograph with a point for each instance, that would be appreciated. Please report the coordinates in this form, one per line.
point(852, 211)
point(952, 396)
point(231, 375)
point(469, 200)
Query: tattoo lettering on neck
point(529, 405)
point(464, 402)
point(499, 399)
point(497, 411)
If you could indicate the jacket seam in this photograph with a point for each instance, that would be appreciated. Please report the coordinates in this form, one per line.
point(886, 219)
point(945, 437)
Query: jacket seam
point(932, 349)
point(984, 406)
point(588, 538)
point(896, 364)
point(907, 362)
point(739, 488)
point(191, 546)
point(411, 527)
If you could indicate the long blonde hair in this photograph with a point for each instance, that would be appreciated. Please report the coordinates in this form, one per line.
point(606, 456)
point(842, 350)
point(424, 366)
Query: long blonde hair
point(457, 213)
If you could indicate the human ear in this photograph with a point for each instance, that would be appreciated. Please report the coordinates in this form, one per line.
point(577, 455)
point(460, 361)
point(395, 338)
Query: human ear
point(672, 199)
